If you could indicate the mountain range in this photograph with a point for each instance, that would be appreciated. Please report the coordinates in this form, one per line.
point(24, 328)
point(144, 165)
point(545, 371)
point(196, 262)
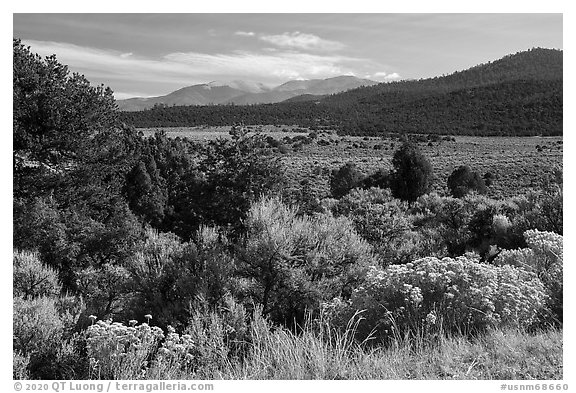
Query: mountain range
point(244, 93)
point(519, 94)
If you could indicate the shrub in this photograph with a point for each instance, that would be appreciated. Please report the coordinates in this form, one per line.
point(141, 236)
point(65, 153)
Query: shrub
point(544, 257)
point(20, 365)
point(380, 179)
point(412, 175)
point(116, 351)
point(291, 263)
point(460, 294)
point(37, 326)
point(106, 289)
point(43, 340)
point(472, 223)
point(539, 209)
point(345, 179)
point(31, 278)
point(379, 219)
point(167, 275)
point(236, 172)
point(488, 179)
point(463, 180)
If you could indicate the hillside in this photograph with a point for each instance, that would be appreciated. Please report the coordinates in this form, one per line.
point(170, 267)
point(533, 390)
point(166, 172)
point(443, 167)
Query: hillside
point(520, 94)
point(204, 94)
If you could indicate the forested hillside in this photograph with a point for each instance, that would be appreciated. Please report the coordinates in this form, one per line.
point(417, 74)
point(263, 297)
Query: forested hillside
point(519, 94)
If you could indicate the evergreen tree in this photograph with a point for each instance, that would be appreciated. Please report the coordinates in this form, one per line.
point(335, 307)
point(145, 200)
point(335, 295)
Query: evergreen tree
point(463, 180)
point(412, 175)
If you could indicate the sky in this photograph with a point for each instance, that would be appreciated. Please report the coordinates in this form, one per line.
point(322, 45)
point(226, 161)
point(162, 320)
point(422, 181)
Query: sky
point(155, 54)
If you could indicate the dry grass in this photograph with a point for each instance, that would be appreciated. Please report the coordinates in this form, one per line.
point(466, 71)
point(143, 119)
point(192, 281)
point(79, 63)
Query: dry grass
point(498, 355)
point(322, 353)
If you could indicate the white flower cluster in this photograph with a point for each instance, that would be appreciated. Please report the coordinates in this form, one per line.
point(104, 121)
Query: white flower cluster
point(112, 345)
point(459, 291)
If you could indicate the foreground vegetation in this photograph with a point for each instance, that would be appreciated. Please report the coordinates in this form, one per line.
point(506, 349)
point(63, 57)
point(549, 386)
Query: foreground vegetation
point(206, 350)
point(211, 268)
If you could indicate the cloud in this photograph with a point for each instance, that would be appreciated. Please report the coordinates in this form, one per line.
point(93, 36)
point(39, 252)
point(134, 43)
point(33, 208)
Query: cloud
point(130, 94)
point(304, 41)
point(125, 72)
point(278, 64)
point(392, 76)
point(245, 33)
point(381, 75)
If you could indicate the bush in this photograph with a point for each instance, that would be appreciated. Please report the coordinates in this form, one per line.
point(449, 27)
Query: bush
point(291, 263)
point(460, 294)
point(379, 179)
point(544, 257)
point(20, 365)
point(117, 351)
point(37, 326)
point(541, 209)
point(43, 340)
point(31, 278)
point(345, 179)
point(472, 223)
point(463, 180)
point(412, 175)
point(167, 275)
point(106, 290)
point(379, 219)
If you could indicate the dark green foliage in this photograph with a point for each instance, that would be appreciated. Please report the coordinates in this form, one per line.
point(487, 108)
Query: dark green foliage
point(55, 117)
point(412, 175)
point(69, 240)
point(379, 179)
point(463, 180)
point(236, 173)
point(488, 178)
point(345, 179)
point(177, 186)
point(147, 192)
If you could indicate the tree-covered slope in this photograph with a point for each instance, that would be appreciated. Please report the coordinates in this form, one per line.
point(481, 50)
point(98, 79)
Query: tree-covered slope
point(520, 94)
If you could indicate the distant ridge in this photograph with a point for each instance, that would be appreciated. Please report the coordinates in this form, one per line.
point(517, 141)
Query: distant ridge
point(244, 92)
point(519, 94)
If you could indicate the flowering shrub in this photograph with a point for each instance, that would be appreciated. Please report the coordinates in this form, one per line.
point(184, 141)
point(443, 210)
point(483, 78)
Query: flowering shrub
point(174, 355)
point(458, 293)
point(544, 257)
point(117, 351)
